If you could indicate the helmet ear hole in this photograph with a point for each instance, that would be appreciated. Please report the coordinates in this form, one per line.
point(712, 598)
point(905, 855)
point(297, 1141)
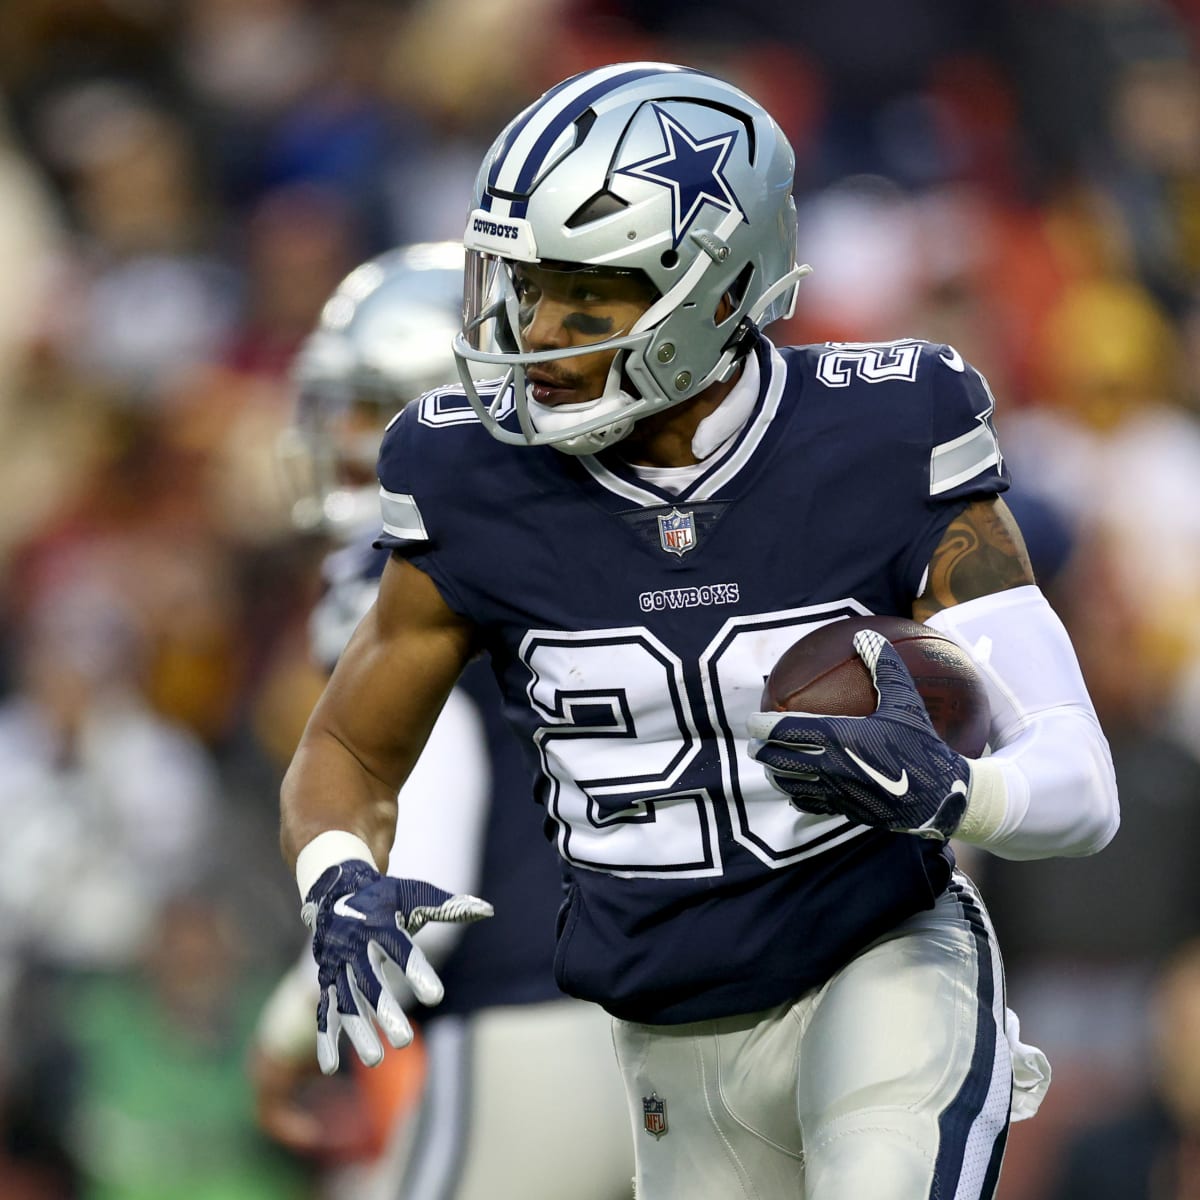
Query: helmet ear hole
point(734, 296)
point(669, 259)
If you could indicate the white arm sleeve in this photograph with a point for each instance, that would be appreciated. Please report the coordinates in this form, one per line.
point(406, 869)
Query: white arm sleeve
point(1048, 787)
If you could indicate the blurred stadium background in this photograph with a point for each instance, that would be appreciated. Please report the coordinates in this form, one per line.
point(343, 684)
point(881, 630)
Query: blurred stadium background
point(183, 182)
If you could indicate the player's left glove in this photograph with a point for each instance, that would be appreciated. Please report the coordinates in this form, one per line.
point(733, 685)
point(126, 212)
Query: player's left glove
point(889, 770)
point(363, 924)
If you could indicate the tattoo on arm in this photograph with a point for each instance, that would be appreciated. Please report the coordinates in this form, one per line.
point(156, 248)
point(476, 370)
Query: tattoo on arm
point(982, 551)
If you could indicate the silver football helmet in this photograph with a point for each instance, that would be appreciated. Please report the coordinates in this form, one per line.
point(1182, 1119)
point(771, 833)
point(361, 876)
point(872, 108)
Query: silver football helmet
point(638, 167)
point(384, 338)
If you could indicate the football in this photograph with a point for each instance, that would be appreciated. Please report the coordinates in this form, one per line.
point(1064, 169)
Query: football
point(821, 673)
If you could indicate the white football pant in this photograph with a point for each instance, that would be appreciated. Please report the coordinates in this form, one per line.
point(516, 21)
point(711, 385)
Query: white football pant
point(893, 1081)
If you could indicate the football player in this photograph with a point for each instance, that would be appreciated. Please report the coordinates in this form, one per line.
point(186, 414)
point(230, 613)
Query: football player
point(638, 515)
point(521, 1097)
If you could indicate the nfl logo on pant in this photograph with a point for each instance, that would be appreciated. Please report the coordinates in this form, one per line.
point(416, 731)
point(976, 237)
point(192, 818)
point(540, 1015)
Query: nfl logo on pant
point(654, 1114)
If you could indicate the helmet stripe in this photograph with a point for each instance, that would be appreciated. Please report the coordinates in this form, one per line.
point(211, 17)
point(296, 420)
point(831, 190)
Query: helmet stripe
point(522, 121)
point(517, 165)
point(538, 109)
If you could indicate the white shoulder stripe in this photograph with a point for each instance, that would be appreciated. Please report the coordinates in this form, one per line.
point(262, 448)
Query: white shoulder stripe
point(962, 458)
point(402, 517)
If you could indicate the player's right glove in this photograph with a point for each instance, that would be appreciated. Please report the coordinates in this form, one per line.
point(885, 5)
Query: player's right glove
point(363, 924)
point(889, 770)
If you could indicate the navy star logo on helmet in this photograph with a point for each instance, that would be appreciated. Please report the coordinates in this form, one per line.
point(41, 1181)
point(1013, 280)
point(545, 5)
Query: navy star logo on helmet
point(691, 169)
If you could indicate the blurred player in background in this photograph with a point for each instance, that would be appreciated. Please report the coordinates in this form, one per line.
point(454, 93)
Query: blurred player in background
point(647, 508)
point(521, 1097)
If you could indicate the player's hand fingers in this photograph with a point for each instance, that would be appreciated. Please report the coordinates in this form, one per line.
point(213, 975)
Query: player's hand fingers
point(392, 1019)
point(423, 979)
point(360, 1028)
point(459, 910)
point(869, 646)
point(789, 763)
point(760, 726)
point(893, 681)
point(794, 730)
point(413, 967)
point(327, 1032)
point(789, 786)
point(810, 800)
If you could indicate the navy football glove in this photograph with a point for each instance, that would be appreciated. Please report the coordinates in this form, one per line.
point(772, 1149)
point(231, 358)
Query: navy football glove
point(362, 925)
point(889, 770)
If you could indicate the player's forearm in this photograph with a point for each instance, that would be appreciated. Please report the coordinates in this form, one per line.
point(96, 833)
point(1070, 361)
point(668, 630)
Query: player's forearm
point(374, 717)
point(1048, 788)
point(327, 788)
point(1049, 793)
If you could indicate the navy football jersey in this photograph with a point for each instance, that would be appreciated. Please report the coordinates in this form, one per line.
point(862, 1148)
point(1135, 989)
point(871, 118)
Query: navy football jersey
point(508, 959)
point(631, 631)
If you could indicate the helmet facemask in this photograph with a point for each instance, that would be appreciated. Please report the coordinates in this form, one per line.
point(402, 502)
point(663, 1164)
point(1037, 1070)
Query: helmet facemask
point(600, 310)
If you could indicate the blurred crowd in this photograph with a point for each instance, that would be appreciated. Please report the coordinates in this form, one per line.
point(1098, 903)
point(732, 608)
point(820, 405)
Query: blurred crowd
point(183, 183)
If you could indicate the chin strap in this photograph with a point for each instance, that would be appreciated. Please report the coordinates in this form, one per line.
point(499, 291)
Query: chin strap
point(551, 419)
point(543, 418)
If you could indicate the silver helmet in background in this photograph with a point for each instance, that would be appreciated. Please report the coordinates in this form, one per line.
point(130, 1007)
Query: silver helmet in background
point(383, 339)
point(644, 168)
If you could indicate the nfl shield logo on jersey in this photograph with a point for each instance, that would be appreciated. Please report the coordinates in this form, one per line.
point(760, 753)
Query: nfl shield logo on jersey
point(677, 532)
point(654, 1114)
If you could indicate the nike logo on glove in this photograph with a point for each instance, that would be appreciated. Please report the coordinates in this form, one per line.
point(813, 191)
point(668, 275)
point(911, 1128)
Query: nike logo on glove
point(895, 787)
point(341, 906)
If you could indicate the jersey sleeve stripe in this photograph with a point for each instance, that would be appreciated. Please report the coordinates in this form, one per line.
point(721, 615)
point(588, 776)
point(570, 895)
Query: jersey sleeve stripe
point(962, 458)
point(402, 517)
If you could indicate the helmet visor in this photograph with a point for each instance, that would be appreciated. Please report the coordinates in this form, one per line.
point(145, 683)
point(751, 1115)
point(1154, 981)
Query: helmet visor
point(563, 331)
point(531, 308)
point(489, 304)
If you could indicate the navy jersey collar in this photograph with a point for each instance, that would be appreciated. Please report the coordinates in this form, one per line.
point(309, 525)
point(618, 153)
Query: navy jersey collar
point(618, 477)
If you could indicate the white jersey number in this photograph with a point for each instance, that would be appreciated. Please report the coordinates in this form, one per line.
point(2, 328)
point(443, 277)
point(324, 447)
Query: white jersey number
point(621, 730)
point(844, 362)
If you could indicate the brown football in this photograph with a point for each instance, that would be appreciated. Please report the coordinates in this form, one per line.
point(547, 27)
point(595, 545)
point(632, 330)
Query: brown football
point(821, 673)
